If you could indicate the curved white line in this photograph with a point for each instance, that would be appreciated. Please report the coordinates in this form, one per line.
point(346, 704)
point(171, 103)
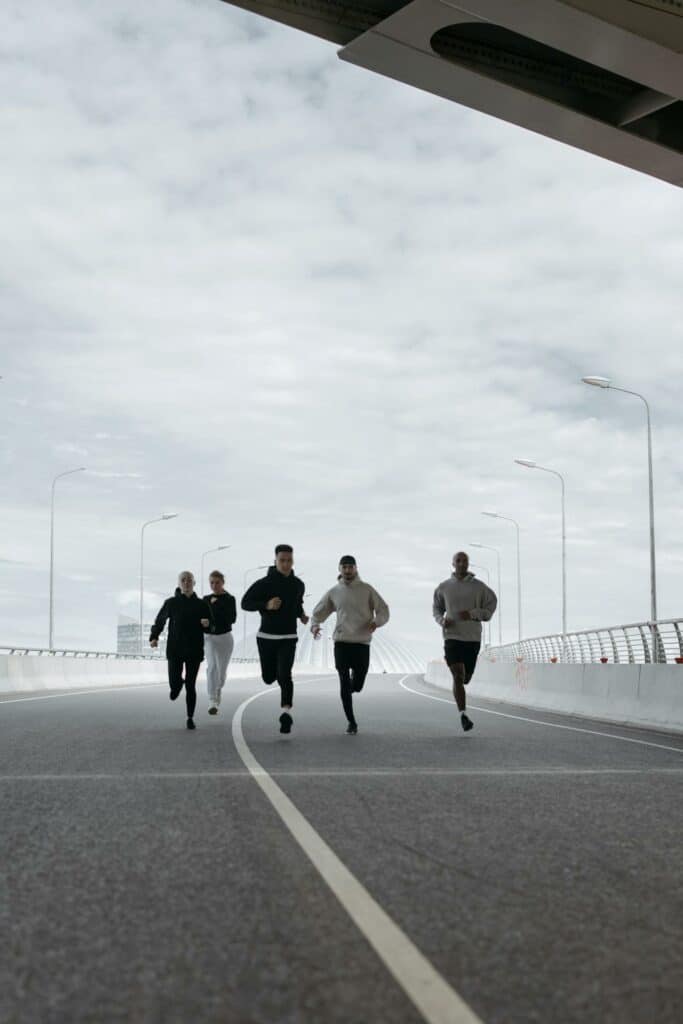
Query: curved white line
point(428, 991)
point(536, 721)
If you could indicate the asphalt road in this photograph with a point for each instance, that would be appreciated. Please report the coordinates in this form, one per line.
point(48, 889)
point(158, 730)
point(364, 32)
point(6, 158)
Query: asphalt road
point(146, 876)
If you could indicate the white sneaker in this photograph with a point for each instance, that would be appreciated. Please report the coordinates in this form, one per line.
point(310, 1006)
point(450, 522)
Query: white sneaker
point(213, 707)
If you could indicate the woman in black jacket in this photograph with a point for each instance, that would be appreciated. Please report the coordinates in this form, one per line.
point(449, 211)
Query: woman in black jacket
point(188, 619)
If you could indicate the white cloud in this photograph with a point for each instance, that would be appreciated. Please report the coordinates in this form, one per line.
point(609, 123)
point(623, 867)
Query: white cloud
point(287, 298)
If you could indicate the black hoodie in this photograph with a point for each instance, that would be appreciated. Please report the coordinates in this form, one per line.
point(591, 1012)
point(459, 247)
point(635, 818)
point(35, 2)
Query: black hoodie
point(290, 589)
point(185, 631)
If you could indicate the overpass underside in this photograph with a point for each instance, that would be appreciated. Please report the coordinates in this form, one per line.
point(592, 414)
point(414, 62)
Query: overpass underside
point(604, 76)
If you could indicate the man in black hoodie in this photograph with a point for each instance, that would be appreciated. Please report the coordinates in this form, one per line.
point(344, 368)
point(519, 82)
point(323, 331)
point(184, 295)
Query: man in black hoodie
point(188, 619)
point(279, 597)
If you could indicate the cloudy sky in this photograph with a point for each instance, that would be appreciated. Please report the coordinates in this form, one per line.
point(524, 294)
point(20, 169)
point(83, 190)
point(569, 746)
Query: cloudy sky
point(291, 300)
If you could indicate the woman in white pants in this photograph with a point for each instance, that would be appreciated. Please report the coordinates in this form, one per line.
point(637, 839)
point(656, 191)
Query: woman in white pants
point(218, 644)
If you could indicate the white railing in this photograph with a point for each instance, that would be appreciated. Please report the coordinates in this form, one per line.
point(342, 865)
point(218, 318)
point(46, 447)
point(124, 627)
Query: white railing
point(67, 653)
point(638, 643)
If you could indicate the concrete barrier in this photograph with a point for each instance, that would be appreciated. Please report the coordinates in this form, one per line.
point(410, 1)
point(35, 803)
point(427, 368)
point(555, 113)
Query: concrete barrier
point(647, 695)
point(32, 672)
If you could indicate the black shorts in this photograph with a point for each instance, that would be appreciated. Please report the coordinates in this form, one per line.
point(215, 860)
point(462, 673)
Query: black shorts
point(462, 652)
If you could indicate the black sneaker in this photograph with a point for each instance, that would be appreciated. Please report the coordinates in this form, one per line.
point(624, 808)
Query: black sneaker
point(351, 729)
point(190, 724)
point(213, 710)
point(174, 694)
point(467, 723)
point(286, 722)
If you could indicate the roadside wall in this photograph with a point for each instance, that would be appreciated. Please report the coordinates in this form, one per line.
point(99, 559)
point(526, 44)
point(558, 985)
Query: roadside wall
point(19, 672)
point(648, 695)
point(33, 672)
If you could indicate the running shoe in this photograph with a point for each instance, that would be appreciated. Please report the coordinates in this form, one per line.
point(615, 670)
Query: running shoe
point(190, 724)
point(213, 709)
point(467, 723)
point(286, 722)
point(174, 694)
point(351, 729)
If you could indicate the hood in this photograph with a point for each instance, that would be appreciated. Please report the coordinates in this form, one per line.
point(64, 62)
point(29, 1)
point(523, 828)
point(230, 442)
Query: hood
point(273, 571)
point(466, 578)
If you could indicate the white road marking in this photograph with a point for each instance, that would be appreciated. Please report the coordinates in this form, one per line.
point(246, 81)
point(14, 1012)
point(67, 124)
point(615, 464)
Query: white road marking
point(5, 699)
point(241, 773)
point(536, 721)
point(428, 991)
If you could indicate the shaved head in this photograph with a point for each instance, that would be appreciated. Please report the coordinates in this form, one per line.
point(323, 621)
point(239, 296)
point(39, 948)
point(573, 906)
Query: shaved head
point(461, 563)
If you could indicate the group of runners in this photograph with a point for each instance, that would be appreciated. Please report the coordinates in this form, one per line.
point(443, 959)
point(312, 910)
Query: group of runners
point(202, 626)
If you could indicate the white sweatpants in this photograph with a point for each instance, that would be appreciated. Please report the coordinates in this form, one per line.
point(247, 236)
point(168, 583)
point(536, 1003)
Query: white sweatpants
point(218, 650)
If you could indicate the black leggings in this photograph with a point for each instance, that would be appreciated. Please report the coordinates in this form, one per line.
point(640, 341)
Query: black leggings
point(277, 658)
point(176, 680)
point(352, 662)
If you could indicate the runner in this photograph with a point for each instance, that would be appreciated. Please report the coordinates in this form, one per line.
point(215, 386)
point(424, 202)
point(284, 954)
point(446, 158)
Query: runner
point(188, 618)
point(219, 642)
point(461, 604)
point(360, 611)
point(279, 597)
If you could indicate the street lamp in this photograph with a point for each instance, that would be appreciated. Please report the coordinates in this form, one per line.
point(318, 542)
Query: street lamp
point(221, 547)
point(606, 383)
point(68, 472)
point(483, 568)
point(500, 622)
point(495, 515)
point(529, 464)
point(160, 519)
point(244, 631)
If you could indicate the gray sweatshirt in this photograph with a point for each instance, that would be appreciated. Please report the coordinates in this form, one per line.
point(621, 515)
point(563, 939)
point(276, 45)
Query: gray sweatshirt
point(466, 595)
point(357, 605)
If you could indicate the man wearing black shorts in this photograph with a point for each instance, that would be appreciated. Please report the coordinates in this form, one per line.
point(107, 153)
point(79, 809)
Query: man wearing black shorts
point(461, 604)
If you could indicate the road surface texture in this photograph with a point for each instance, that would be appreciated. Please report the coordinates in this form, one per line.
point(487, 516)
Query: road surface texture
point(151, 874)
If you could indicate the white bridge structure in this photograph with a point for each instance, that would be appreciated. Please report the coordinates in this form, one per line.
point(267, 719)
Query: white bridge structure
point(631, 675)
point(386, 654)
point(605, 76)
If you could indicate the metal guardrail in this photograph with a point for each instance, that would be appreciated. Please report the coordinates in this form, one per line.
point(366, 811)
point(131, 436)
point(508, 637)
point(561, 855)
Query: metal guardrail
point(639, 643)
point(66, 653)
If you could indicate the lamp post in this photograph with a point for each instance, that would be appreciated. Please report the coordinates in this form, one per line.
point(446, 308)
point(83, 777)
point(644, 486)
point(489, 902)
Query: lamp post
point(244, 624)
point(160, 519)
point(483, 568)
point(221, 547)
point(495, 515)
point(529, 464)
point(486, 547)
point(68, 472)
point(605, 382)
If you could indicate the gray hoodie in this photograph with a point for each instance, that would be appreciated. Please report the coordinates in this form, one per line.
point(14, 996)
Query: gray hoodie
point(357, 605)
point(466, 595)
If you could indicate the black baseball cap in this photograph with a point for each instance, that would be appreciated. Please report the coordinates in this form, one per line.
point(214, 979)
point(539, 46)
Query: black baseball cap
point(347, 560)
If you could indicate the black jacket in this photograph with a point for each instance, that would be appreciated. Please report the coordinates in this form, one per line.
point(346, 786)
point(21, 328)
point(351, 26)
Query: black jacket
point(223, 610)
point(185, 631)
point(290, 589)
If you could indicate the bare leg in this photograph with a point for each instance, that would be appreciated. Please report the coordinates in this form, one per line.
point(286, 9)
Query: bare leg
point(460, 680)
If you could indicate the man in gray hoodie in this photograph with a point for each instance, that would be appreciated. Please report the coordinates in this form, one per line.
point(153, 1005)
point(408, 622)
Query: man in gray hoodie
point(461, 604)
point(360, 611)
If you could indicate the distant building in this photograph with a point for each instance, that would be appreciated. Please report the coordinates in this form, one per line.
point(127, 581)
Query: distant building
point(128, 638)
